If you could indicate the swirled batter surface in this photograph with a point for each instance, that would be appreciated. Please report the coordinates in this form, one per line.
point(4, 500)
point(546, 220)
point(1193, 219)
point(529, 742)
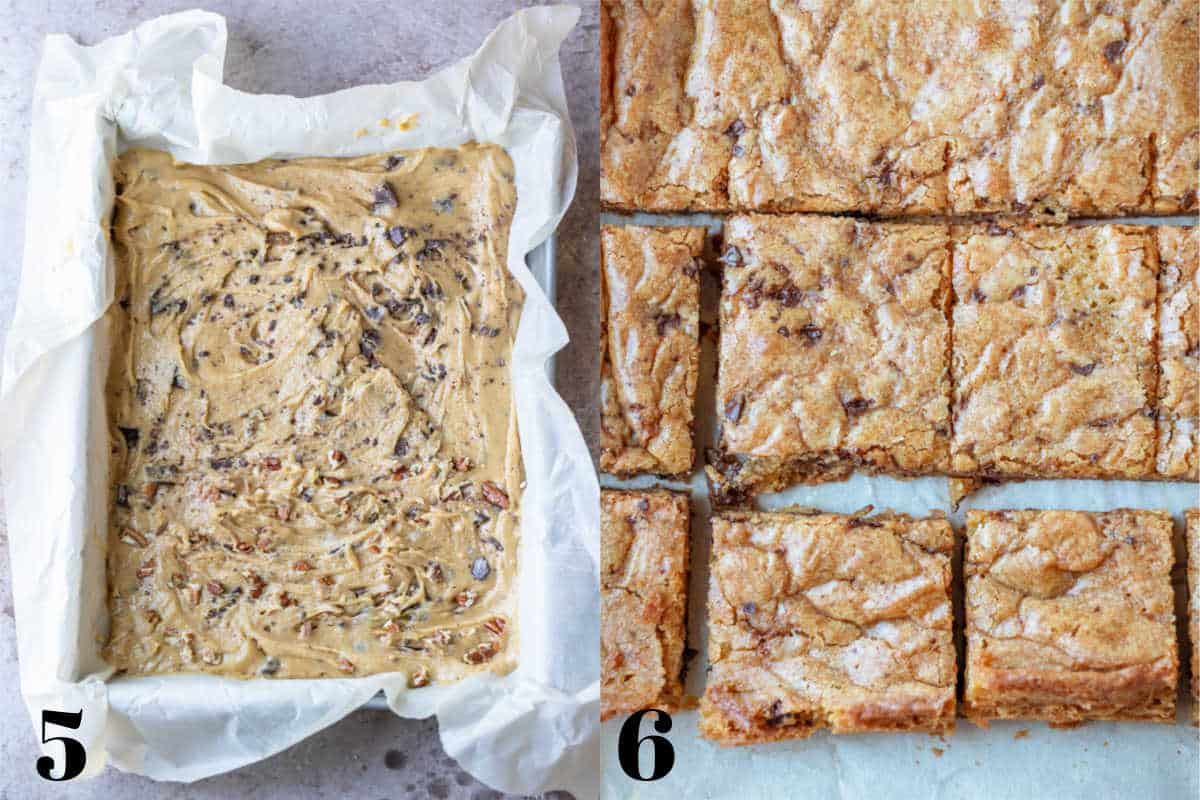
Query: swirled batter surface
point(315, 461)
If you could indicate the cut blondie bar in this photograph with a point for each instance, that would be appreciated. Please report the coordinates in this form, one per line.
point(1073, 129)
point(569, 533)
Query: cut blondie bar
point(644, 558)
point(834, 351)
point(1193, 580)
point(1179, 353)
point(650, 348)
point(828, 621)
point(1054, 365)
point(1070, 616)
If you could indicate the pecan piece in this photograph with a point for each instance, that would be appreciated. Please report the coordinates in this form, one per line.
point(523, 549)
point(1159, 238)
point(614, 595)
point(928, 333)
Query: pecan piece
point(481, 653)
point(131, 536)
point(494, 494)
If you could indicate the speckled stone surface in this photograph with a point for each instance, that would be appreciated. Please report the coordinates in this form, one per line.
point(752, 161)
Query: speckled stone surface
point(302, 48)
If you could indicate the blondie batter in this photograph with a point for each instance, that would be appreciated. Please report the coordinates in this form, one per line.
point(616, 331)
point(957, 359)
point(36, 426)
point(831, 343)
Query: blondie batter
point(643, 596)
point(650, 348)
point(828, 621)
point(1179, 353)
point(315, 463)
point(1054, 365)
point(901, 108)
point(834, 351)
point(1070, 616)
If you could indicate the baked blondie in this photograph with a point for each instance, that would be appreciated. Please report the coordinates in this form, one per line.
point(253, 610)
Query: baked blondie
point(828, 621)
point(900, 108)
point(1054, 366)
point(314, 454)
point(1192, 533)
point(1179, 353)
point(643, 600)
point(650, 348)
point(1070, 616)
point(834, 351)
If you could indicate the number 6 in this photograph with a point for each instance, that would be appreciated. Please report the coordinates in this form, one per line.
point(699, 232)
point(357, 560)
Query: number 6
point(628, 745)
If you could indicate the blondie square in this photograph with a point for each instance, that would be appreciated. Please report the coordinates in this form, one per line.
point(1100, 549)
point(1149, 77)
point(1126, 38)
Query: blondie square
point(828, 621)
point(644, 563)
point(1070, 616)
point(834, 351)
point(1179, 353)
point(650, 348)
point(1054, 365)
point(918, 107)
point(1193, 580)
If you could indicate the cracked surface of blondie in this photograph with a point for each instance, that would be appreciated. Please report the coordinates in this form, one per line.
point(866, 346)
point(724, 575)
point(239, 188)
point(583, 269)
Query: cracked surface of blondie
point(834, 349)
point(1070, 616)
point(900, 108)
point(643, 601)
point(1179, 352)
point(650, 348)
point(828, 621)
point(1054, 367)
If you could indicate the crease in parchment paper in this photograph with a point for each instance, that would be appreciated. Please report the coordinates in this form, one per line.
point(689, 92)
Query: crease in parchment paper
point(160, 86)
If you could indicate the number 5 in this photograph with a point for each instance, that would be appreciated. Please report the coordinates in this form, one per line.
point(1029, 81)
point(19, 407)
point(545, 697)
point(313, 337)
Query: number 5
point(75, 757)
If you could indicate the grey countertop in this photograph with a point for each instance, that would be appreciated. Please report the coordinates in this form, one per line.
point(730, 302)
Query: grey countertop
point(302, 48)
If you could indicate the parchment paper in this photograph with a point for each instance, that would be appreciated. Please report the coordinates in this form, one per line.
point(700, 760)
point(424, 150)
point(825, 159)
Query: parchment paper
point(161, 86)
point(1018, 760)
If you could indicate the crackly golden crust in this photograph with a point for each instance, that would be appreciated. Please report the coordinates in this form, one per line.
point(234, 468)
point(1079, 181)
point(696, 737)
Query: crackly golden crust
point(645, 140)
point(1193, 578)
point(650, 348)
point(828, 621)
point(1054, 372)
point(1179, 352)
point(919, 107)
point(644, 567)
point(834, 349)
point(1070, 616)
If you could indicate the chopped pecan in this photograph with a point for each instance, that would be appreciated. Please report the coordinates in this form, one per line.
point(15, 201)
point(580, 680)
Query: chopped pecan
point(481, 653)
point(494, 494)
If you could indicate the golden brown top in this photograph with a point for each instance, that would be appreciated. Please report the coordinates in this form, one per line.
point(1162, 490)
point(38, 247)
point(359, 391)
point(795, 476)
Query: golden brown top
point(314, 447)
point(825, 619)
point(1056, 594)
point(645, 112)
point(913, 107)
point(643, 579)
point(650, 347)
point(1179, 352)
point(1054, 371)
point(834, 340)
